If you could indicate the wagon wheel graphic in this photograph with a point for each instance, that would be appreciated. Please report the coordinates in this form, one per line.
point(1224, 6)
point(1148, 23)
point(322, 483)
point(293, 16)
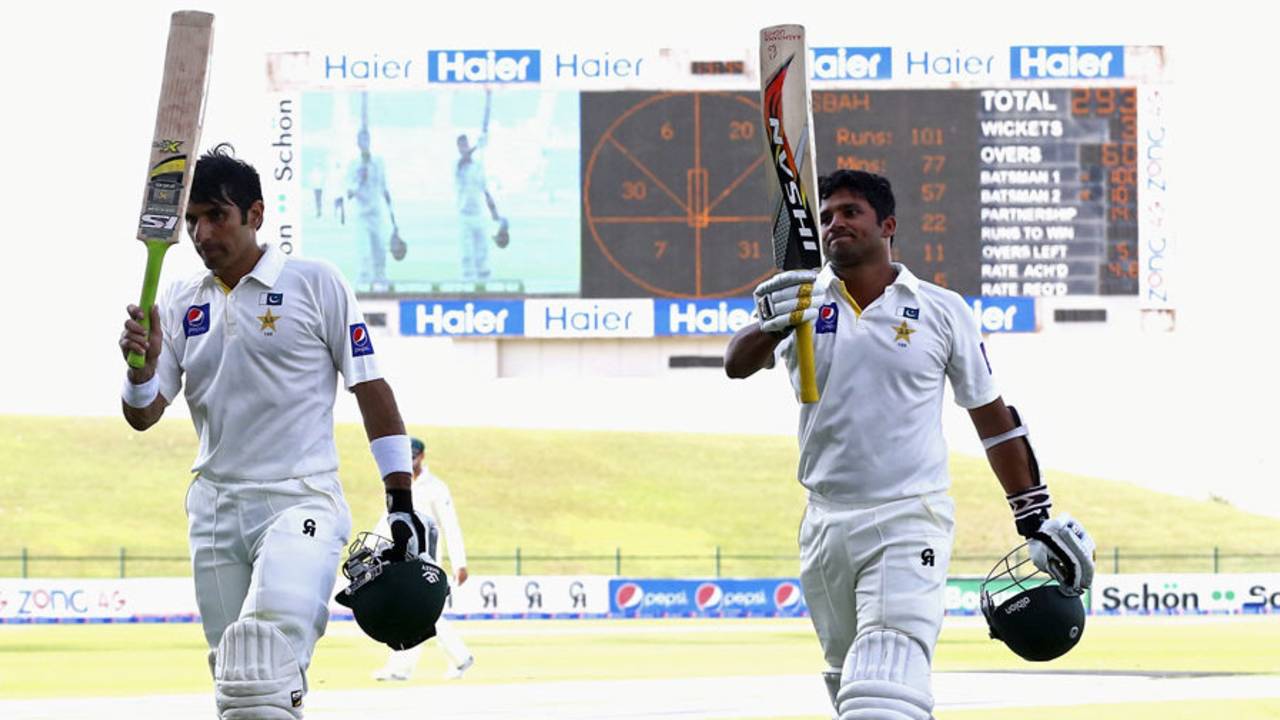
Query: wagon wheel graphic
point(676, 195)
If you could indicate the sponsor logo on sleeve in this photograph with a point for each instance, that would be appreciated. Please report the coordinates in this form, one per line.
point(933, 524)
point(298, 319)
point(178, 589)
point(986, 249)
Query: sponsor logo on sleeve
point(360, 342)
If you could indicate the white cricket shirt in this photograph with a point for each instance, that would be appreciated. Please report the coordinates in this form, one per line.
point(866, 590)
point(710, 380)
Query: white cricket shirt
point(259, 365)
point(875, 434)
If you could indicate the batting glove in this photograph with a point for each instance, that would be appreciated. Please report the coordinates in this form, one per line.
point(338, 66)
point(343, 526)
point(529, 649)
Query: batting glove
point(408, 534)
point(1062, 548)
point(786, 300)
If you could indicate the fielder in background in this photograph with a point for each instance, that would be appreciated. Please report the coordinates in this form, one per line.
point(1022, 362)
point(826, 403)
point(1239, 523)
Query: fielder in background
point(367, 187)
point(877, 533)
point(256, 345)
point(431, 497)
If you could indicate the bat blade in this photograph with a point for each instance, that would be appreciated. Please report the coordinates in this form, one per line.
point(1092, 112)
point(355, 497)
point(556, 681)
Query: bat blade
point(179, 118)
point(784, 96)
point(178, 121)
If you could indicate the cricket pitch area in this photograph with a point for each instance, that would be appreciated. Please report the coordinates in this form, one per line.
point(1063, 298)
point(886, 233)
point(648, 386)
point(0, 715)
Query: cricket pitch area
point(1125, 667)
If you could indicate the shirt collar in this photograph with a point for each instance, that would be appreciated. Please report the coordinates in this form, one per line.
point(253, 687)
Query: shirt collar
point(908, 281)
point(266, 272)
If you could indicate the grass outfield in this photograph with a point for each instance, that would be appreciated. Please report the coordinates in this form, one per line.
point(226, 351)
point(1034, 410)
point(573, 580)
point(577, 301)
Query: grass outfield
point(87, 486)
point(139, 660)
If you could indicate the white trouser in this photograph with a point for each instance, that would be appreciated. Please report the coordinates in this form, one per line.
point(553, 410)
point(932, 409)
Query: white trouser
point(267, 552)
point(475, 247)
point(371, 249)
point(884, 566)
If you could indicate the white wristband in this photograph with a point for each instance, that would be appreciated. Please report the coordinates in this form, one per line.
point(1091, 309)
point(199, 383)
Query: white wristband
point(391, 453)
point(140, 396)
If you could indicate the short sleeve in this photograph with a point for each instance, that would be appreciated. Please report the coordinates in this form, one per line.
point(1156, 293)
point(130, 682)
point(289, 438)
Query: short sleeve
point(345, 332)
point(967, 366)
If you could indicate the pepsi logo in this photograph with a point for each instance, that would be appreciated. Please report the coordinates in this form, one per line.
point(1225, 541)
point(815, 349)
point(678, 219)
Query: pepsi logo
point(708, 595)
point(827, 312)
point(360, 343)
point(195, 315)
point(786, 595)
point(629, 595)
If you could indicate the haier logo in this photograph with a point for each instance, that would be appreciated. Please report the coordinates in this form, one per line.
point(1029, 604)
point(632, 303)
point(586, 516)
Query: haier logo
point(484, 66)
point(1040, 62)
point(455, 317)
point(701, 317)
point(851, 63)
point(1004, 314)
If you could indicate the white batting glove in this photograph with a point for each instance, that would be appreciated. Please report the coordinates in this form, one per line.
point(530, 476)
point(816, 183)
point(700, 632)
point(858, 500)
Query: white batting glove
point(786, 300)
point(1062, 548)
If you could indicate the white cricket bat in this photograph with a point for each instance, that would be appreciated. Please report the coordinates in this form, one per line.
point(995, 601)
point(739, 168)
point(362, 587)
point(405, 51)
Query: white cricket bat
point(784, 96)
point(173, 147)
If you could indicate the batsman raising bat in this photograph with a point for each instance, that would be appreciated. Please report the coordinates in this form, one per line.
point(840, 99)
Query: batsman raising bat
point(256, 343)
point(367, 189)
point(876, 536)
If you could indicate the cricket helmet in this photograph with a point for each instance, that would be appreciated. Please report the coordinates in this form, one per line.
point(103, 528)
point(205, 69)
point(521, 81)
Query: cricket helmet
point(396, 603)
point(1028, 610)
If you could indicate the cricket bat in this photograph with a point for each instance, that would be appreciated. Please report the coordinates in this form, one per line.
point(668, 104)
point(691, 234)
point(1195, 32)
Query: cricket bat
point(173, 147)
point(784, 96)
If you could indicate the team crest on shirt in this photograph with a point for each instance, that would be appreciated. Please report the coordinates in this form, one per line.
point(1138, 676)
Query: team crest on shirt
point(268, 323)
point(902, 334)
point(827, 316)
point(360, 342)
point(196, 320)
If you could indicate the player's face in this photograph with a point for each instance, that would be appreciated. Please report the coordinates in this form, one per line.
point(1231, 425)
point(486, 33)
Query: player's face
point(850, 231)
point(222, 236)
point(417, 464)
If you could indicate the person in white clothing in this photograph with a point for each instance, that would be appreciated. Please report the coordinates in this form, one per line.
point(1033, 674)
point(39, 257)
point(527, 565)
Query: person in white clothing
point(256, 345)
point(432, 497)
point(367, 187)
point(877, 533)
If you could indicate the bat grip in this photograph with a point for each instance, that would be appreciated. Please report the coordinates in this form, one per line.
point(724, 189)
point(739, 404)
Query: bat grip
point(804, 356)
point(150, 281)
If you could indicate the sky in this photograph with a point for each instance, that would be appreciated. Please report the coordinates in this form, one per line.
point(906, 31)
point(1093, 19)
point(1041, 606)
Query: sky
point(81, 82)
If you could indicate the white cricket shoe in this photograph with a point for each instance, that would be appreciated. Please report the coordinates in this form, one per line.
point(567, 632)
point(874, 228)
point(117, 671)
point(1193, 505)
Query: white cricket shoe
point(456, 672)
point(388, 674)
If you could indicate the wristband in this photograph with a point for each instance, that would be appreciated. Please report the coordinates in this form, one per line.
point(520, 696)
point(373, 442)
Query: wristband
point(391, 453)
point(140, 396)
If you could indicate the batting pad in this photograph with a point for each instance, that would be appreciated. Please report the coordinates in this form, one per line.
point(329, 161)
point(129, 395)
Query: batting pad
point(257, 676)
point(886, 677)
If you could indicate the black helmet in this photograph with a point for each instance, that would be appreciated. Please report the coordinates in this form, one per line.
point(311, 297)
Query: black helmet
point(1037, 618)
point(396, 603)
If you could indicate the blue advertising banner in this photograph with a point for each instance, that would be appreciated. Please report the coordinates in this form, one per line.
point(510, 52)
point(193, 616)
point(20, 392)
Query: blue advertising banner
point(764, 597)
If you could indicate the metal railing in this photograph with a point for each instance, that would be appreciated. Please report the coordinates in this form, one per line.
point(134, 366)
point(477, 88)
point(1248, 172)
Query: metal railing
point(715, 563)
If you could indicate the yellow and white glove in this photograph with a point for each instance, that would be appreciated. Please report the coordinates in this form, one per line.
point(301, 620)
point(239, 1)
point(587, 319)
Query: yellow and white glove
point(785, 300)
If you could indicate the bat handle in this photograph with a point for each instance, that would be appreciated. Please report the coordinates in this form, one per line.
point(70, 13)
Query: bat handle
point(150, 281)
point(804, 356)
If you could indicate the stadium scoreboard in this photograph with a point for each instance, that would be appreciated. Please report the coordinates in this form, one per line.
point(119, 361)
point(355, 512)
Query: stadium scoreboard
point(1026, 172)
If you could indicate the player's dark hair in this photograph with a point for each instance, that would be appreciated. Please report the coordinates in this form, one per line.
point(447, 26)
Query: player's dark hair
point(874, 188)
point(221, 177)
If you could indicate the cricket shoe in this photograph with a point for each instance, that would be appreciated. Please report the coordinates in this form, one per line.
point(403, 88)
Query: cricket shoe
point(456, 672)
point(388, 674)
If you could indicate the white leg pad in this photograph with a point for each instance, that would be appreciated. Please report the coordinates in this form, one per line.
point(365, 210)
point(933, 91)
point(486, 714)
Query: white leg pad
point(886, 677)
point(257, 675)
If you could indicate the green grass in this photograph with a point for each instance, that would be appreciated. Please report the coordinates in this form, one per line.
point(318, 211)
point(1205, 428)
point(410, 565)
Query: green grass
point(88, 486)
point(134, 660)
